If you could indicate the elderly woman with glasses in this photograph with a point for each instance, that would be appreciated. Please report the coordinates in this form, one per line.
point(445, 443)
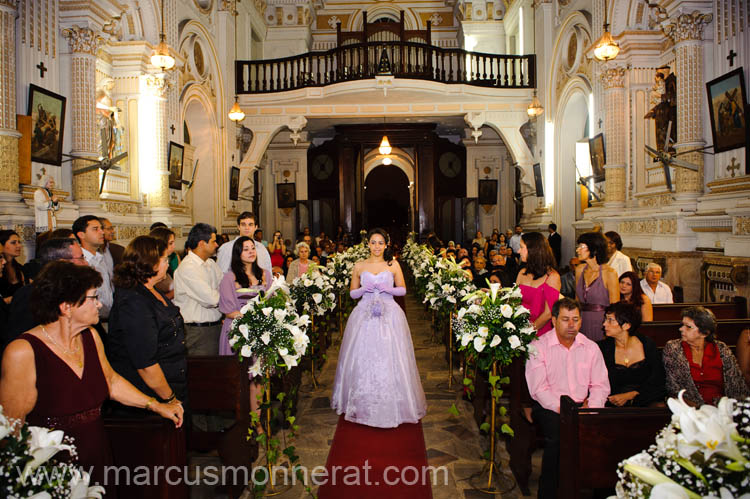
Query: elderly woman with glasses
point(301, 264)
point(700, 364)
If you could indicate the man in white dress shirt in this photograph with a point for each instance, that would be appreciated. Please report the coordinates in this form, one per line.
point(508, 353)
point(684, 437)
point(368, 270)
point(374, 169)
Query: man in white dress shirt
point(247, 225)
point(88, 230)
point(515, 242)
point(617, 259)
point(656, 290)
point(196, 292)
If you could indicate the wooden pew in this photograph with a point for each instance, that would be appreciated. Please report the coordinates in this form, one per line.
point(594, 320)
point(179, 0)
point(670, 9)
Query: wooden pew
point(528, 435)
point(220, 383)
point(728, 330)
point(594, 441)
point(736, 309)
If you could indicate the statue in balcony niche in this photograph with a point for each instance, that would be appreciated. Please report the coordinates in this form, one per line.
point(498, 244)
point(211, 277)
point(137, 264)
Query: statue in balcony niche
point(664, 107)
point(108, 120)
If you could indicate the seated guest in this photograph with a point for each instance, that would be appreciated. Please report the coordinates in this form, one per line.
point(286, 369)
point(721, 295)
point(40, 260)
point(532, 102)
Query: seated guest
point(480, 272)
point(631, 292)
point(146, 338)
point(617, 259)
point(301, 264)
point(656, 290)
point(57, 375)
point(13, 278)
point(701, 364)
point(636, 372)
point(565, 363)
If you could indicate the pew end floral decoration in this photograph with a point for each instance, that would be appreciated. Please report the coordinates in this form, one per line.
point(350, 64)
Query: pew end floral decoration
point(701, 453)
point(313, 292)
point(270, 332)
point(28, 467)
point(448, 286)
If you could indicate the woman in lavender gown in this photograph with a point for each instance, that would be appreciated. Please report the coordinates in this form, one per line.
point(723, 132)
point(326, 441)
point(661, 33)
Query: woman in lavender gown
point(377, 382)
point(244, 280)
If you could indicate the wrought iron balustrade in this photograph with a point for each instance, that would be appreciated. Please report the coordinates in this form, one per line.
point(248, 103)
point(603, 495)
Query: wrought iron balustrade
point(407, 60)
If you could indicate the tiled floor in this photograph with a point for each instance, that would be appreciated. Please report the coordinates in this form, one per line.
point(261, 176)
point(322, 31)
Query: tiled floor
point(453, 442)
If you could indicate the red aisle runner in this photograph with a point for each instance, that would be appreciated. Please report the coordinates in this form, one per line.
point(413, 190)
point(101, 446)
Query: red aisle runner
point(393, 455)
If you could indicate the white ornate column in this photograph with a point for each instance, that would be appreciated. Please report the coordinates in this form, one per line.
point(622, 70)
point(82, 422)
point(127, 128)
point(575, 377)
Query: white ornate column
point(615, 133)
point(686, 30)
point(8, 134)
point(84, 44)
point(154, 168)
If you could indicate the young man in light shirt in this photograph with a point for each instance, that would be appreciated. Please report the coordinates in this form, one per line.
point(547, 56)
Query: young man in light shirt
point(88, 230)
point(617, 259)
point(247, 226)
point(565, 363)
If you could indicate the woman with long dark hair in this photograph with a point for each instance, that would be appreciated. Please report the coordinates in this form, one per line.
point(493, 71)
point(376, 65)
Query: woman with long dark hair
point(13, 278)
point(377, 382)
point(538, 280)
point(243, 281)
point(630, 292)
point(596, 283)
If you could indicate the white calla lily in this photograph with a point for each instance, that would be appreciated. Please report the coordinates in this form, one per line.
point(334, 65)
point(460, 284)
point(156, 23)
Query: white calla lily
point(495, 341)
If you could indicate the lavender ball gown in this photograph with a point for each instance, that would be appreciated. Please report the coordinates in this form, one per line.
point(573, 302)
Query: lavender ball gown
point(377, 382)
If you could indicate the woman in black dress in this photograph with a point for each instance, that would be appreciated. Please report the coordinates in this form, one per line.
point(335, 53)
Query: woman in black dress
point(145, 343)
point(636, 372)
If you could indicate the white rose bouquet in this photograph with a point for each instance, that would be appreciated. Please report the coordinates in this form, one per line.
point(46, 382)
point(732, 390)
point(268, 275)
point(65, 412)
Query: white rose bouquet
point(339, 269)
point(702, 453)
point(494, 327)
point(270, 331)
point(313, 292)
point(28, 467)
point(448, 286)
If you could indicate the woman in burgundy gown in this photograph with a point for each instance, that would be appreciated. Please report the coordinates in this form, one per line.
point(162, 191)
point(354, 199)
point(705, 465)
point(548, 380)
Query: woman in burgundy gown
point(538, 280)
point(56, 375)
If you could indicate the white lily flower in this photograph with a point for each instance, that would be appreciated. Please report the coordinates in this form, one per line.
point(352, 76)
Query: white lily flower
point(514, 341)
point(461, 313)
point(289, 360)
point(267, 311)
point(509, 325)
point(483, 331)
point(245, 308)
point(244, 331)
point(465, 339)
point(506, 310)
point(79, 487)
point(44, 444)
point(317, 297)
point(246, 351)
point(494, 288)
point(279, 314)
point(283, 351)
point(450, 299)
point(495, 341)
point(474, 308)
point(265, 338)
point(233, 341)
point(255, 370)
point(307, 282)
point(521, 310)
point(479, 344)
point(668, 490)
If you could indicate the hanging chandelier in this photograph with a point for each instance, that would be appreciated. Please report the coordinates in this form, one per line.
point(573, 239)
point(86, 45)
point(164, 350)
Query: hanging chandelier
point(160, 57)
point(606, 48)
point(236, 114)
point(535, 108)
point(385, 146)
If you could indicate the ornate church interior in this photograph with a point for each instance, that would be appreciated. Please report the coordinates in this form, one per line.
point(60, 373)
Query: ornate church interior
point(427, 118)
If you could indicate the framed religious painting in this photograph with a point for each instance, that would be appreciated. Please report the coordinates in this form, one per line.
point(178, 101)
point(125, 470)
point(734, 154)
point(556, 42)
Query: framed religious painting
point(488, 192)
point(175, 155)
point(727, 105)
point(47, 111)
point(538, 181)
point(286, 196)
point(234, 184)
point(598, 156)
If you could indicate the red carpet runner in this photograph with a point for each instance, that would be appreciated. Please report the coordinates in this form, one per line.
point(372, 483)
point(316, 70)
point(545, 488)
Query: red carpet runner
point(396, 461)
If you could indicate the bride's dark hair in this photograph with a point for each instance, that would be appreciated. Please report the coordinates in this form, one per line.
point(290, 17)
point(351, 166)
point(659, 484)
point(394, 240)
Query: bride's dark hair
point(388, 253)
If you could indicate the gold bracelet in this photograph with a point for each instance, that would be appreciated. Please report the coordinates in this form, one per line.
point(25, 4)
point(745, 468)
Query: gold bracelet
point(171, 397)
point(151, 400)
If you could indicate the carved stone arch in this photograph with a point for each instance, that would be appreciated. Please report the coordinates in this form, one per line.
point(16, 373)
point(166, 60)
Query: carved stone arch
point(622, 14)
point(387, 10)
point(148, 15)
point(575, 20)
point(194, 28)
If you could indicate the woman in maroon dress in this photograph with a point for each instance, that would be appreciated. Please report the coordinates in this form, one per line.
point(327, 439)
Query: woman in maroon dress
point(56, 375)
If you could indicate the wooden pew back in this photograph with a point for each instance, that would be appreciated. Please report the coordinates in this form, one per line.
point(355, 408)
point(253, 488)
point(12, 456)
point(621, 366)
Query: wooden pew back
point(727, 331)
point(594, 441)
point(736, 309)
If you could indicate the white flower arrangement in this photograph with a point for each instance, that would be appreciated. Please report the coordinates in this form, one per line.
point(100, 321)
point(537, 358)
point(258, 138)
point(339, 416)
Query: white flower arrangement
point(701, 453)
point(28, 467)
point(270, 331)
point(313, 293)
point(448, 285)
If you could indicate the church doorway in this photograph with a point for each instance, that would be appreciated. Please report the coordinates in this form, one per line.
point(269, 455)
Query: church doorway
point(205, 192)
point(387, 202)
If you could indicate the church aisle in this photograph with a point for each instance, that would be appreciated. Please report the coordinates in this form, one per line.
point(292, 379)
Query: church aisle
point(452, 442)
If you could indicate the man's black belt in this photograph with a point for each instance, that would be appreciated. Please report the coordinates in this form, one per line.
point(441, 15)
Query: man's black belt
point(203, 324)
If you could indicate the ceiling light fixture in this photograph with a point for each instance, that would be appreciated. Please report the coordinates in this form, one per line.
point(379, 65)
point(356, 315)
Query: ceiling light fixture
point(535, 108)
point(160, 57)
point(606, 48)
point(236, 114)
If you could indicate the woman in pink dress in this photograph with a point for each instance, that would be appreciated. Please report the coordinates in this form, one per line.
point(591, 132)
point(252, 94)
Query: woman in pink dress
point(538, 280)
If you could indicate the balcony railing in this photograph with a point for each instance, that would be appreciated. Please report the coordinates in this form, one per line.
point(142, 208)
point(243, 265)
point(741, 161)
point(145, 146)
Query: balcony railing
point(407, 60)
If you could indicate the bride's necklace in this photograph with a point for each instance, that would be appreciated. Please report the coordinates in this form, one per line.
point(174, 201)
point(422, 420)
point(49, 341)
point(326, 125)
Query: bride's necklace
point(69, 353)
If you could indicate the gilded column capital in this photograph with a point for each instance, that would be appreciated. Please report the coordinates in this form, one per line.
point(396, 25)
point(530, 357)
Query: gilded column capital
point(613, 77)
point(83, 40)
point(686, 27)
point(8, 4)
point(155, 84)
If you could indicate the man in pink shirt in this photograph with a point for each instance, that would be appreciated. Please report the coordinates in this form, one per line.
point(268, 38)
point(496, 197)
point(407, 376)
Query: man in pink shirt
point(566, 363)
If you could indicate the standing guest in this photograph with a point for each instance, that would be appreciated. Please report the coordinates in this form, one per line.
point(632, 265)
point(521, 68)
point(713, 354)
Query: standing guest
point(565, 363)
point(480, 272)
point(538, 280)
point(631, 292)
point(479, 239)
point(4, 312)
point(308, 239)
point(656, 290)
point(20, 317)
point(88, 230)
point(45, 205)
point(146, 338)
point(320, 239)
point(634, 364)
point(112, 252)
point(258, 237)
point(287, 264)
point(555, 242)
point(12, 279)
point(196, 292)
point(596, 283)
point(167, 237)
point(301, 264)
point(700, 364)
point(57, 374)
point(515, 242)
point(277, 249)
point(617, 259)
point(247, 224)
point(502, 241)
